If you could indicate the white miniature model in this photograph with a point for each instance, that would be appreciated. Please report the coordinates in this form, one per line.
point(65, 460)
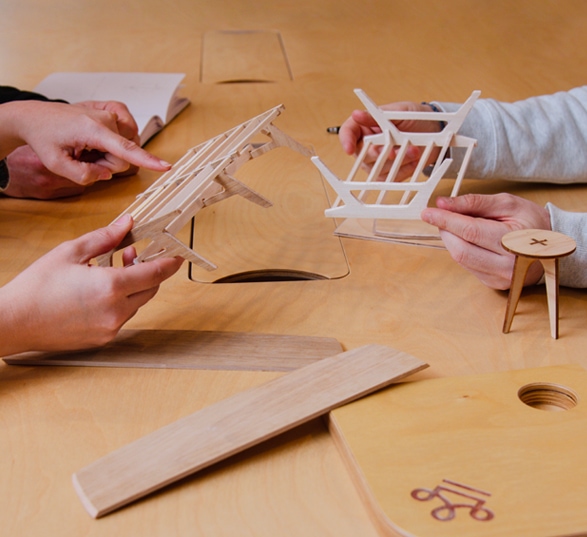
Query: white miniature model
point(370, 198)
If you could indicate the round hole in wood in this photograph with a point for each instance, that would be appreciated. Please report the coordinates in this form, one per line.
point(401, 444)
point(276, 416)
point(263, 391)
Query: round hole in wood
point(548, 396)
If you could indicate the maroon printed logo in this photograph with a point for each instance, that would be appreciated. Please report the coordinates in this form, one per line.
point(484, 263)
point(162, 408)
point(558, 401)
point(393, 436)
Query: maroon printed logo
point(456, 495)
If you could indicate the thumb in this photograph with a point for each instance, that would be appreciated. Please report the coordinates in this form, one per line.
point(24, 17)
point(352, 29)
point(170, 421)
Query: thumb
point(101, 240)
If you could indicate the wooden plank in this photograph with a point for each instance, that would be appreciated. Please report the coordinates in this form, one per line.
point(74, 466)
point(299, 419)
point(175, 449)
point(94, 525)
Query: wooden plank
point(192, 349)
point(236, 423)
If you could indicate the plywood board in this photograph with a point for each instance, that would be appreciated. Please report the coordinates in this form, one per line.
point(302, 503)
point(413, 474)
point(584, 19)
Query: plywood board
point(500, 454)
point(236, 56)
point(289, 240)
point(191, 349)
point(412, 232)
point(236, 423)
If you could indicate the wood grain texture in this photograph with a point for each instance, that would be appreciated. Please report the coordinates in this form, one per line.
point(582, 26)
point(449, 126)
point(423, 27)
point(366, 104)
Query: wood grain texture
point(538, 243)
point(515, 439)
point(56, 420)
point(192, 349)
point(236, 423)
point(530, 245)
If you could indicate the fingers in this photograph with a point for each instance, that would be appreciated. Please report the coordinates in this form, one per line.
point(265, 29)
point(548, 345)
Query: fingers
point(497, 206)
point(117, 147)
point(481, 232)
point(141, 278)
point(98, 242)
point(125, 123)
point(354, 129)
point(493, 269)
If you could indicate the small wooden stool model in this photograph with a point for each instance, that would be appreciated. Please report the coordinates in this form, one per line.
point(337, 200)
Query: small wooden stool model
point(530, 245)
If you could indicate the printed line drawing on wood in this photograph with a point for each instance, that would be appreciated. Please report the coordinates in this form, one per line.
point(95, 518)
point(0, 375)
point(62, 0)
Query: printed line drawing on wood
point(381, 195)
point(202, 177)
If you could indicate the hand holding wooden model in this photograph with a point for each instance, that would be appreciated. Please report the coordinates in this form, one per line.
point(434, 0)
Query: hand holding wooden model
point(61, 302)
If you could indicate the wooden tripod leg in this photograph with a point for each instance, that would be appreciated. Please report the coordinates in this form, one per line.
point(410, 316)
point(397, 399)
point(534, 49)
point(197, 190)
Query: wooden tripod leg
point(551, 280)
point(521, 265)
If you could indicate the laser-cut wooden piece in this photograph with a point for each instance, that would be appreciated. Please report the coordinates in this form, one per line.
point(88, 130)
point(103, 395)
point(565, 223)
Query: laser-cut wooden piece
point(491, 455)
point(530, 245)
point(370, 198)
point(236, 423)
point(190, 349)
point(202, 177)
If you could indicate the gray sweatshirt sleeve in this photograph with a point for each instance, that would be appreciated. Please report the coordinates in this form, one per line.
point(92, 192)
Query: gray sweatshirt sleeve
point(573, 268)
point(540, 139)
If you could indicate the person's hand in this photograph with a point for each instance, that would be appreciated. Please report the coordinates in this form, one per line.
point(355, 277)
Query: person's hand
point(361, 124)
point(471, 227)
point(61, 302)
point(30, 178)
point(80, 143)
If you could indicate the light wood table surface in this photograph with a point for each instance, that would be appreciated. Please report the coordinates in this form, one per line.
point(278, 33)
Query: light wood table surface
point(53, 421)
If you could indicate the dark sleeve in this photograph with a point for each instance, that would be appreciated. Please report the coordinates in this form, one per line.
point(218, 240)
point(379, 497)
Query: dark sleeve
point(8, 93)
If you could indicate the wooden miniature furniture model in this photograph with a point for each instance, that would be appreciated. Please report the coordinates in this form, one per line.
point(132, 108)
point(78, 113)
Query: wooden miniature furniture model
point(355, 196)
point(202, 177)
point(530, 245)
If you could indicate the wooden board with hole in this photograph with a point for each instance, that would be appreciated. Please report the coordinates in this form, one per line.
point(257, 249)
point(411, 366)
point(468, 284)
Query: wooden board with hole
point(500, 454)
point(193, 349)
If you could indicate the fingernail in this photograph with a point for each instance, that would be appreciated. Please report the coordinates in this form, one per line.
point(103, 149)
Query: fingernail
point(123, 221)
point(165, 163)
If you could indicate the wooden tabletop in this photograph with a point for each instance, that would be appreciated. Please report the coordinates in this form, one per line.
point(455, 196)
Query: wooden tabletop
point(309, 56)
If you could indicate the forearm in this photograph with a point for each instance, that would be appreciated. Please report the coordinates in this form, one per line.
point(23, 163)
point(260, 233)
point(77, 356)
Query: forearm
point(572, 269)
point(541, 139)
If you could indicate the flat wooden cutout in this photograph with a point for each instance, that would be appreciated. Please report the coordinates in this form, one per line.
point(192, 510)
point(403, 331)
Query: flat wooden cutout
point(241, 56)
point(236, 423)
point(495, 455)
point(189, 349)
point(530, 245)
point(202, 177)
point(363, 228)
point(291, 240)
point(388, 198)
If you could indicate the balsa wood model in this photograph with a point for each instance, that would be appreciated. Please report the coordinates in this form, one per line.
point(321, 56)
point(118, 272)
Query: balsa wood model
point(382, 195)
point(530, 245)
point(202, 177)
point(236, 423)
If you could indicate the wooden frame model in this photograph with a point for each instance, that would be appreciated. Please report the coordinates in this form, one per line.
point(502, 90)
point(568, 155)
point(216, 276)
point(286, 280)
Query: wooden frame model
point(355, 197)
point(202, 177)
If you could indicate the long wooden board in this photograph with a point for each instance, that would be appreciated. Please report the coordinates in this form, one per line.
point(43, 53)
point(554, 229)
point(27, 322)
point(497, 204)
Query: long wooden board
point(236, 423)
point(192, 349)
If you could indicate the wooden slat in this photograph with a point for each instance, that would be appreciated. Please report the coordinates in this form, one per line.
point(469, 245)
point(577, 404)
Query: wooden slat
point(236, 423)
point(192, 349)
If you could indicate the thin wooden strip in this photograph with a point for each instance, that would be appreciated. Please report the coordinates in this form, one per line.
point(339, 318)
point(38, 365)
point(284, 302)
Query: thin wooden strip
point(236, 423)
point(191, 349)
